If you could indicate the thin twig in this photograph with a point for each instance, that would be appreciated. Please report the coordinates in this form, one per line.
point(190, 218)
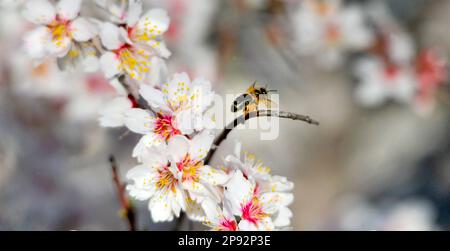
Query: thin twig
point(262, 113)
point(127, 209)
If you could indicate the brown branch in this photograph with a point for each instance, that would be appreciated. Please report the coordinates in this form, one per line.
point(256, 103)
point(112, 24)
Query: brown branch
point(127, 210)
point(241, 120)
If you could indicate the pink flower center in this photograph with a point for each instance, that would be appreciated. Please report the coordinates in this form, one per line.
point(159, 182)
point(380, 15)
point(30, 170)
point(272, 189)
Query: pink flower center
point(333, 34)
point(164, 126)
point(122, 49)
point(252, 211)
point(189, 167)
point(60, 29)
point(227, 225)
point(391, 71)
point(431, 70)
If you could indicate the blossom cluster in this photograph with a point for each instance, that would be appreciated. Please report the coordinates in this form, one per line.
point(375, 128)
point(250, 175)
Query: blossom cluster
point(386, 64)
point(168, 111)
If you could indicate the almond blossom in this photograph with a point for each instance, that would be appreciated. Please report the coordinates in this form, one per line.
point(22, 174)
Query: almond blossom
point(198, 179)
point(156, 180)
point(329, 29)
point(264, 184)
point(380, 82)
point(219, 219)
point(174, 178)
point(59, 28)
point(253, 209)
point(431, 71)
point(177, 109)
point(135, 47)
point(392, 72)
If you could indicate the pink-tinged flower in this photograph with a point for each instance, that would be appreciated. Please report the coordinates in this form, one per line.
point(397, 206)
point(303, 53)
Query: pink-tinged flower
point(177, 109)
point(59, 28)
point(219, 219)
point(263, 185)
point(135, 46)
point(329, 29)
point(240, 198)
point(380, 82)
point(155, 180)
point(187, 157)
point(431, 71)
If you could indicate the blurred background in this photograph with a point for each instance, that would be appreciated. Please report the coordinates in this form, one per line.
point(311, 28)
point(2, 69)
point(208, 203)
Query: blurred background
point(372, 72)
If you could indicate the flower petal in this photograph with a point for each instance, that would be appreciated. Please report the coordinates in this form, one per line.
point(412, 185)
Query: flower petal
point(238, 190)
point(185, 121)
point(201, 94)
point(212, 211)
point(113, 113)
point(39, 11)
point(68, 9)
point(110, 36)
point(142, 147)
point(178, 147)
point(281, 184)
point(153, 24)
point(110, 64)
point(59, 47)
point(177, 89)
point(154, 97)
point(245, 225)
point(134, 12)
point(213, 176)
point(139, 120)
point(143, 186)
point(200, 145)
point(150, 150)
point(83, 30)
point(34, 42)
point(161, 207)
point(283, 217)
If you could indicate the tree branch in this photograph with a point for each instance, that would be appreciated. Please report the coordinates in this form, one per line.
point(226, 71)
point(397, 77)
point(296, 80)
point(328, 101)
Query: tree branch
point(241, 120)
point(127, 210)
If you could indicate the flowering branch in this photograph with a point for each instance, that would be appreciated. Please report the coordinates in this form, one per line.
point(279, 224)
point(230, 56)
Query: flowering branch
point(261, 113)
point(126, 210)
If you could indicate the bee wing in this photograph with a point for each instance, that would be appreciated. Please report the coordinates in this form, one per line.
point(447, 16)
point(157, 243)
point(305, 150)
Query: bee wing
point(268, 103)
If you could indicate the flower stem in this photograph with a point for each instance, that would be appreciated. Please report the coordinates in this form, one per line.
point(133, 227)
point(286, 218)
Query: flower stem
point(127, 208)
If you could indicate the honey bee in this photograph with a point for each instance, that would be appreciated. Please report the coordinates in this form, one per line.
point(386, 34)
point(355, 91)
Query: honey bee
point(254, 96)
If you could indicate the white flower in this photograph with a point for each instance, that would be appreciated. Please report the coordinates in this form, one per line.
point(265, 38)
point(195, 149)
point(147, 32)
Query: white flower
point(83, 55)
point(112, 114)
point(156, 180)
point(198, 179)
point(178, 109)
point(263, 186)
point(253, 210)
point(380, 82)
point(122, 12)
point(219, 219)
point(328, 29)
point(133, 45)
point(59, 27)
point(175, 179)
